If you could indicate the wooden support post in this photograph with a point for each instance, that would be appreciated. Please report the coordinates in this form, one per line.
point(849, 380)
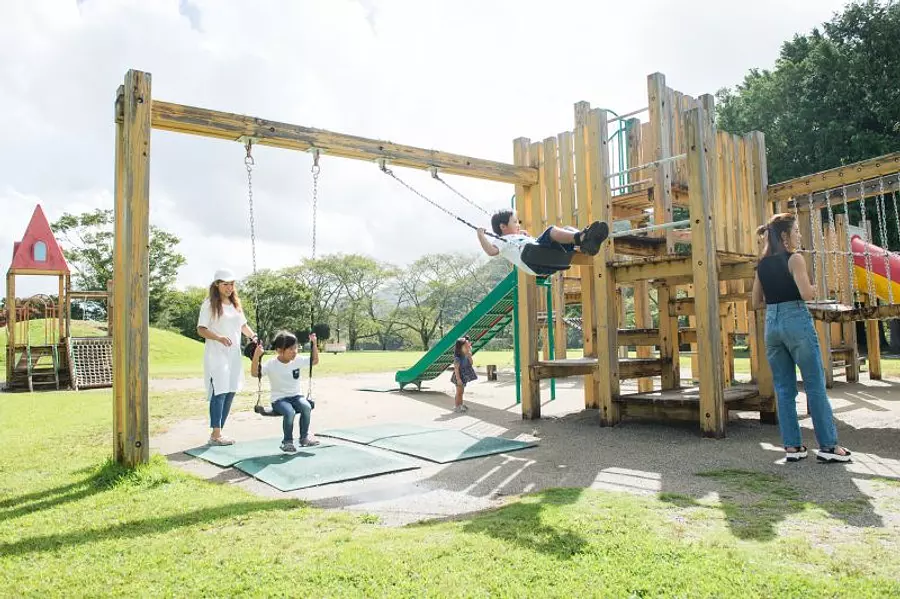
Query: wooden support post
point(131, 271)
point(845, 296)
point(527, 297)
point(642, 317)
point(660, 124)
point(604, 283)
point(709, 337)
point(10, 325)
point(60, 308)
point(583, 173)
point(549, 175)
point(668, 339)
point(873, 343)
point(761, 210)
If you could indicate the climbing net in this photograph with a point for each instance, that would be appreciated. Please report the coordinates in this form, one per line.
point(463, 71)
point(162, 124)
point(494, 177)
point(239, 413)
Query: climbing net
point(847, 265)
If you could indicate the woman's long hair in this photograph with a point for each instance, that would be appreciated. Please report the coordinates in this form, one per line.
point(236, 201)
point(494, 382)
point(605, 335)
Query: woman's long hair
point(216, 300)
point(778, 225)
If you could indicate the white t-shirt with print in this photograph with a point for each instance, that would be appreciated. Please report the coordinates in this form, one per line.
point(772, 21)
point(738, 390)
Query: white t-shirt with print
point(284, 378)
point(511, 249)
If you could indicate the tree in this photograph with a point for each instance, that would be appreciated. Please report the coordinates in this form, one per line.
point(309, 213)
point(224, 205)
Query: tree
point(428, 288)
point(181, 311)
point(831, 98)
point(283, 303)
point(362, 279)
point(87, 240)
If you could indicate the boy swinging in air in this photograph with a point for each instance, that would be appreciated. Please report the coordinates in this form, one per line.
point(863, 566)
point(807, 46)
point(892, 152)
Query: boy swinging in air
point(513, 240)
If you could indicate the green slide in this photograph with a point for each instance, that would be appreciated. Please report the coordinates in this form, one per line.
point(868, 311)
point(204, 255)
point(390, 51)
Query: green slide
point(487, 319)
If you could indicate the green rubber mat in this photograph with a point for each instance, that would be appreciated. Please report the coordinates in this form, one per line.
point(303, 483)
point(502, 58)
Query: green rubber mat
point(321, 465)
point(229, 455)
point(368, 434)
point(444, 446)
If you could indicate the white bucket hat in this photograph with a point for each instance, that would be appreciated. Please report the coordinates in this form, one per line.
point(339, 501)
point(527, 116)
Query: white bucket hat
point(223, 274)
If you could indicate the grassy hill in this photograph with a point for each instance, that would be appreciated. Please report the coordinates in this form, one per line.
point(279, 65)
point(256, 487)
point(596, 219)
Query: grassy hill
point(171, 355)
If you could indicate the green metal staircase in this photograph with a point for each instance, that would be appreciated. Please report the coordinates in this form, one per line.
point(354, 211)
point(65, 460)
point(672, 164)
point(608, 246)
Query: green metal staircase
point(485, 320)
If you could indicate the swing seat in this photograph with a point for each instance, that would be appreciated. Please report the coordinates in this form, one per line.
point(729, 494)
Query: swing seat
point(269, 411)
point(541, 258)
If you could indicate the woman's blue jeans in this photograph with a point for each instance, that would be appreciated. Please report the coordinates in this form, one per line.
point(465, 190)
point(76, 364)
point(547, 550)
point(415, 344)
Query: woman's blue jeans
point(792, 342)
point(288, 407)
point(219, 406)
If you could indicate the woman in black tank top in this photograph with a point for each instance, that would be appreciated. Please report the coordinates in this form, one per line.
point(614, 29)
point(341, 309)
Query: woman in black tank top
point(782, 284)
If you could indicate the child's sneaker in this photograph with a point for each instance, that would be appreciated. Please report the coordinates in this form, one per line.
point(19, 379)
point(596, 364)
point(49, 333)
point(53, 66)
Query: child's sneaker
point(831, 455)
point(798, 454)
point(593, 237)
point(288, 446)
point(461, 408)
point(308, 442)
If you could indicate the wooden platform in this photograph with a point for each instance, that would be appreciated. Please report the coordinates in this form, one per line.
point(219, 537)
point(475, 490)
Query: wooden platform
point(640, 245)
point(732, 266)
point(684, 403)
point(629, 368)
point(642, 199)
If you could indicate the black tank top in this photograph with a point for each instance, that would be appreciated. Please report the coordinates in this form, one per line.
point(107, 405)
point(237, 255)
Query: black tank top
point(776, 279)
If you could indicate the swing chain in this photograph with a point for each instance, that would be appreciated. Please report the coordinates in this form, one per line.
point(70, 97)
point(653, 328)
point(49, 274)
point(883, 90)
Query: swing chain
point(867, 255)
point(434, 174)
point(850, 256)
point(382, 164)
point(249, 163)
point(882, 229)
point(315, 194)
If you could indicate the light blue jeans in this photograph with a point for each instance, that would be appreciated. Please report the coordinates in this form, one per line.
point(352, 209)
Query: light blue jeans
point(289, 407)
point(791, 342)
point(219, 406)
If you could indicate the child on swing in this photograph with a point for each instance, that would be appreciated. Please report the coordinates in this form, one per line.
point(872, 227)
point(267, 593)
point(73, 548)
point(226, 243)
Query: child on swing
point(513, 240)
point(284, 382)
point(463, 371)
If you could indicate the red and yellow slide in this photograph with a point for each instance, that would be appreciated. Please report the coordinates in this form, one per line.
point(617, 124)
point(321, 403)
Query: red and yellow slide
point(879, 270)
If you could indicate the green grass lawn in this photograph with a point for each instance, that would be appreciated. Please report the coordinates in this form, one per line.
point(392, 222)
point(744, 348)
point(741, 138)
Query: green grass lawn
point(74, 524)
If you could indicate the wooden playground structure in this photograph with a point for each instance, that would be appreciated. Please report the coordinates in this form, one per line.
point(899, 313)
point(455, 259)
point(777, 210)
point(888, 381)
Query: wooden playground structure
point(46, 355)
point(676, 160)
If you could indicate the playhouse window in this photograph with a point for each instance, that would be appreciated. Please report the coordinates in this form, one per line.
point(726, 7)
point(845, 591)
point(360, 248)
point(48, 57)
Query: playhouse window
point(40, 252)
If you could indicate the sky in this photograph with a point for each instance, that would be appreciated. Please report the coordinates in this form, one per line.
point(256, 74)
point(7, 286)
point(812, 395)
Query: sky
point(461, 76)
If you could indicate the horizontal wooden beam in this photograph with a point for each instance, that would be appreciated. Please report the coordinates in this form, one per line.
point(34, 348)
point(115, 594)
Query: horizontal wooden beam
point(870, 188)
point(638, 368)
point(649, 337)
point(835, 177)
point(557, 369)
point(179, 118)
point(34, 272)
point(686, 306)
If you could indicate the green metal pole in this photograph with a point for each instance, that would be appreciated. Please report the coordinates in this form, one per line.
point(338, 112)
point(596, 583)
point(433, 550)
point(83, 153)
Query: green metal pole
point(550, 336)
point(512, 202)
point(516, 343)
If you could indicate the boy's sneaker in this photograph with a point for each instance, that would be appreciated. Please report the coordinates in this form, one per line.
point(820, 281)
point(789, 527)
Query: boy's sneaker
point(308, 442)
point(830, 455)
point(593, 237)
point(288, 446)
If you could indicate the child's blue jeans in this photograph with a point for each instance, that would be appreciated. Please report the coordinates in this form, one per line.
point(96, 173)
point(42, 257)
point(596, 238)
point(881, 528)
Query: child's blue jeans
point(219, 406)
point(289, 407)
point(791, 342)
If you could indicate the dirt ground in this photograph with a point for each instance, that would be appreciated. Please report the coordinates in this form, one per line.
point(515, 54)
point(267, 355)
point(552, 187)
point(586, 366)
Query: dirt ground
point(573, 451)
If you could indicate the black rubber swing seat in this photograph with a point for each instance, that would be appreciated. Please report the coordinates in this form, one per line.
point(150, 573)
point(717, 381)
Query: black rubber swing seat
point(544, 258)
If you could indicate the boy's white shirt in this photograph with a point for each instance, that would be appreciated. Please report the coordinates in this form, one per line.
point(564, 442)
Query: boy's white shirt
point(511, 249)
point(281, 376)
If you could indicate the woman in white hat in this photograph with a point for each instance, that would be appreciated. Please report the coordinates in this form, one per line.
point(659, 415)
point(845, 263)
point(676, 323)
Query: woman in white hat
point(221, 323)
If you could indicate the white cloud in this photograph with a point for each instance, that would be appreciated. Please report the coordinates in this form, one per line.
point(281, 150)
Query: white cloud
point(462, 76)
